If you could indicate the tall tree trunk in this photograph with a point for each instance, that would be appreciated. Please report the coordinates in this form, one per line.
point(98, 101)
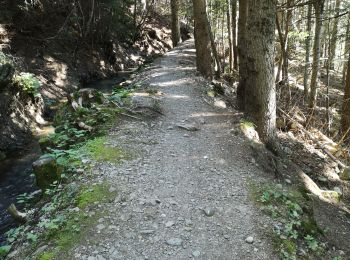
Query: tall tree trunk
point(345, 120)
point(175, 23)
point(318, 5)
point(234, 32)
point(346, 48)
point(260, 91)
point(202, 39)
point(242, 49)
point(333, 40)
point(229, 33)
point(307, 53)
point(214, 50)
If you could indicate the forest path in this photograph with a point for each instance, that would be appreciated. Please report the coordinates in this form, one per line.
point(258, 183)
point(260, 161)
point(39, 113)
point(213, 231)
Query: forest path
point(186, 195)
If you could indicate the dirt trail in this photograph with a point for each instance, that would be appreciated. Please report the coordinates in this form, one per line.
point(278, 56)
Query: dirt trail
point(185, 196)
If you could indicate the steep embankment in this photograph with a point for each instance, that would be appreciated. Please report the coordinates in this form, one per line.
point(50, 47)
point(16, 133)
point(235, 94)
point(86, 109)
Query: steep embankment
point(62, 66)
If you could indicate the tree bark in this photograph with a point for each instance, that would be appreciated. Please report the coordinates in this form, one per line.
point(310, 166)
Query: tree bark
point(260, 91)
point(333, 40)
point(347, 48)
point(234, 32)
point(202, 40)
point(307, 53)
point(175, 23)
point(318, 5)
point(345, 120)
point(229, 33)
point(242, 49)
point(214, 50)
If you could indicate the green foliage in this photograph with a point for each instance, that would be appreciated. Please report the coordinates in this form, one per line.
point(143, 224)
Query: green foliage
point(28, 83)
point(31, 237)
point(4, 59)
point(24, 199)
point(297, 227)
point(46, 256)
point(13, 234)
point(4, 250)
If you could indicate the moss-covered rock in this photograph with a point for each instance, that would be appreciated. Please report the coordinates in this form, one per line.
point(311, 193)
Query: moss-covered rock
point(345, 174)
point(46, 172)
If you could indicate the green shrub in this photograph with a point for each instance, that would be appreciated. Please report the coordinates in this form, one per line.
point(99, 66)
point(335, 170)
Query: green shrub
point(28, 82)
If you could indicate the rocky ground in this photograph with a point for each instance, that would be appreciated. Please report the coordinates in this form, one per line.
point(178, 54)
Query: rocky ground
point(184, 195)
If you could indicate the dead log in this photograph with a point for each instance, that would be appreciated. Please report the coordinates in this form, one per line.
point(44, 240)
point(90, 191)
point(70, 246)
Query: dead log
point(16, 215)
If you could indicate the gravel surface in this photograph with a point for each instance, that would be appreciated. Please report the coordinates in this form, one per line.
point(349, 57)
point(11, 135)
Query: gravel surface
point(184, 195)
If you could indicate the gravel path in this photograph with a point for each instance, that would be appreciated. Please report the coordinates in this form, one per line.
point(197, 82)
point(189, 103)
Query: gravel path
point(185, 195)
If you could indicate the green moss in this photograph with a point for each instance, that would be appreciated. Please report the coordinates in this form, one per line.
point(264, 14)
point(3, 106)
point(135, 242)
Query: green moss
point(78, 224)
point(99, 151)
point(288, 246)
point(46, 256)
point(90, 195)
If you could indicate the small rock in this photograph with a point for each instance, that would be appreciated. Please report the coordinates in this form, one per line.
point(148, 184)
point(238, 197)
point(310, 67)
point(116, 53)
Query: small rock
point(196, 253)
point(338, 190)
point(146, 232)
point(249, 240)
point(188, 127)
point(169, 224)
point(209, 212)
point(288, 181)
point(220, 104)
point(174, 242)
point(100, 227)
point(112, 189)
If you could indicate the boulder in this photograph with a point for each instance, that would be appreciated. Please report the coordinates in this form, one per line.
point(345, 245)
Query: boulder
point(46, 172)
point(85, 97)
point(345, 174)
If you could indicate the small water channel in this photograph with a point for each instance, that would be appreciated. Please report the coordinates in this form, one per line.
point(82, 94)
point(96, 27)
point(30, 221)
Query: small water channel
point(16, 171)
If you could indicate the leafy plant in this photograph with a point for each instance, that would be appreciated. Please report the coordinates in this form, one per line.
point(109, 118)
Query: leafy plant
point(28, 82)
point(13, 234)
point(296, 227)
point(32, 237)
point(4, 250)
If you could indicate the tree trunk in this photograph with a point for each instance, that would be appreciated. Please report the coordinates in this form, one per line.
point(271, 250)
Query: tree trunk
point(319, 4)
point(333, 40)
point(229, 33)
point(242, 49)
point(307, 53)
point(234, 32)
point(347, 48)
point(260, 91)
point(345, 120)
point(175, 23)
point(214, 50)
point(201, 36)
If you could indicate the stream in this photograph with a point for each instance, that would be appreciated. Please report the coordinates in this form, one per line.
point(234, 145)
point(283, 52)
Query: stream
point(16, 170)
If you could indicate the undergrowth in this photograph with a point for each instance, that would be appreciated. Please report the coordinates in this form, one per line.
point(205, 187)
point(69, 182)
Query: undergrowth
point(59, 224)
point(295, 232)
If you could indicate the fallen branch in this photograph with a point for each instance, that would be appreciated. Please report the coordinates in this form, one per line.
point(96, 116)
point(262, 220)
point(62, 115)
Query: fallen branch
point(16, 215)
point(134, 117)
point(314, 140)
